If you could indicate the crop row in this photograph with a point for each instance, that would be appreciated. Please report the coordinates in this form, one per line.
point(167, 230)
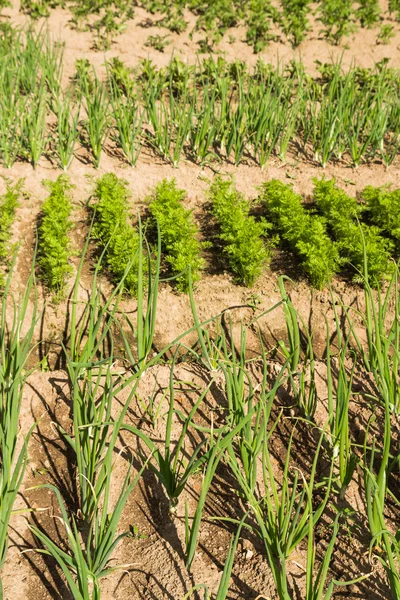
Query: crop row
point(285, 511)
point(264, 21)
point(212, 111)
point(334, 232)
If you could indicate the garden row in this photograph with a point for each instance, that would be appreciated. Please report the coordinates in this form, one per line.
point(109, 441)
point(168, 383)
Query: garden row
point(335, 232)
point(286, 500)
point(263, 20)
point(212, 111)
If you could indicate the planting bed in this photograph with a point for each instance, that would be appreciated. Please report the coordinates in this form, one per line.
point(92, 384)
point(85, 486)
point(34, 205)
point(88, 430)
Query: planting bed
point(199, 335)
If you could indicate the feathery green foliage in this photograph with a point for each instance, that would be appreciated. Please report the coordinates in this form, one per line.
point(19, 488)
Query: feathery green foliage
point(304, 232)
point(113, 229)
point(383, 205)
point(353, 239)
point(179, 233)
point(54, 243)
point(8, 207)
point(241, 234)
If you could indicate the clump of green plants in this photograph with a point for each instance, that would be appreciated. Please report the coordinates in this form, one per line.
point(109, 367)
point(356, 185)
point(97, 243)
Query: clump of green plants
point(179, 233)
point(114, 231)
point(4, 4)
point(336, 16)
point(97, 108)
point(39, 8)
point(258, 20)
point(296, 23)
point(241, 234)
point(386, 33)
point(8, 206)
point(54, 243)
point(304, 232)
point(158, 42)
point(354, 239)
point(368, 12)
point(383, 206)
point(394, 8)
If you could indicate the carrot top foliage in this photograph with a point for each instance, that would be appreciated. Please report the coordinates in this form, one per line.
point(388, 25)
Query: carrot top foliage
point(114, 231)
point(8, 206)
point(304, 232)
point(342, 213)
point(179, 233)
point(241, 234)
point(54, 243)
point(384, 207)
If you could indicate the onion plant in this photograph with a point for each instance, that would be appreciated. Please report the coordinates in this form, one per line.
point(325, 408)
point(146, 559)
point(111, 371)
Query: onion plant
point(128, 117)
point(172, 464)
point(381, 354)
point(339, 397)
point(204, 128)
point(97, 109)
point(384, 544)
point(15, 349)
point(301, 373)
point(317, 585)
point(85, 560)
point(220, 442)
point(242, 397)
point(283, 511)
point(67, 111)
point(34, 132)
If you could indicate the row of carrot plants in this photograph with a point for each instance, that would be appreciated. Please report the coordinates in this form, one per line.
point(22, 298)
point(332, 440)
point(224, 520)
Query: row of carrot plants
point(212, 111)
point(284, 517)
point(333, 234)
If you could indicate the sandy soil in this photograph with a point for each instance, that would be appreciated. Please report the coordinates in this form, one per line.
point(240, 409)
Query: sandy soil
point(155, 555)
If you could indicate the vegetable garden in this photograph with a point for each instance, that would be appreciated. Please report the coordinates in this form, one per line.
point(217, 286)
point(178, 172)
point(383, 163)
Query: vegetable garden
point(199, 277)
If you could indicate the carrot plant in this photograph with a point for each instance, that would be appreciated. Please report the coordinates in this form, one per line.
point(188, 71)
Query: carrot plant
point(383, 206)
point(305, 233)
point(54, 252)
point(241, 234)
point(295, 20)
point(114, 231)
point(342, 213)
point(8, 206)
point(368, 13)
point(179, 233)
